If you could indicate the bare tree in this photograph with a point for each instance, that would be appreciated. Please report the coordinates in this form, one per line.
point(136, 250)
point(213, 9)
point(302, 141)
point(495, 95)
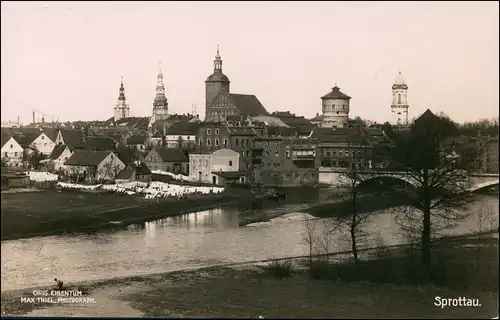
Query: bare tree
point(352, 218)
point(310, 237)
point(440, 167)
point(109, 170)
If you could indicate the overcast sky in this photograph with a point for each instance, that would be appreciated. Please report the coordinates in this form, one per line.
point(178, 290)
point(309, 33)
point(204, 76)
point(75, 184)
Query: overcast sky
point(66, 58)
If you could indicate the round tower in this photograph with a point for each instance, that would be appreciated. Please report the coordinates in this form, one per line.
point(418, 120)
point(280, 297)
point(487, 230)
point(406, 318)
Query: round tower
point(335, 106)
point(215, 82)
point(399, 106)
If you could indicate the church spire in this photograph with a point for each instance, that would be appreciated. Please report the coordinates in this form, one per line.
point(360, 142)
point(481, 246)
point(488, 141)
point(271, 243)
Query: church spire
point(160, 87)
point(121, 96)
point(218, 61)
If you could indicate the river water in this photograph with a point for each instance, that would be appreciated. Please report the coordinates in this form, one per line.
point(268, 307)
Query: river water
point(193, 240)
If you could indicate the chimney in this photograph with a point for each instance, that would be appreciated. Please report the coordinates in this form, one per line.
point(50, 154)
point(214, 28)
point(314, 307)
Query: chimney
point(18, 121)
point(33, 117)
point(43, 119)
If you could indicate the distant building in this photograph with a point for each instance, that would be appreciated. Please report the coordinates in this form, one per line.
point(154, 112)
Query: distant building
point(284, 161)
point(58, 157)
point(167, 159)
point(220, 102)
point(12, 151)
point(362, 148)
point(135, 171)
point(399, 106)
point(181, 134)
point(93, 165)
point(490, 151)
point(335, 107)
point(122, 109)
point(215, 167)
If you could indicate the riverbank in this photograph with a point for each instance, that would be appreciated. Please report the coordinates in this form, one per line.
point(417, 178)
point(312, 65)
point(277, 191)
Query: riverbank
point(249, 291)
point(52, 212)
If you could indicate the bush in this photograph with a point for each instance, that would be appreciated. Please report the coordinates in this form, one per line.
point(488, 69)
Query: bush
point(280, 268)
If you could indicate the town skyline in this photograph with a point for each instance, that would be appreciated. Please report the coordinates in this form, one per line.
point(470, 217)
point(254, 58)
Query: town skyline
point(74, 73)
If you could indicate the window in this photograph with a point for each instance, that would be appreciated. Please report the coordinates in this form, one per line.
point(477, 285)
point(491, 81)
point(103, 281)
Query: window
point(200, 142)
point(217, 142)
point(225, 142)
point(276, 154)
point(43, 137)
point(15, 154)
point(248, 153)
point(276, 143)
point(267, 153)
point(209, 132)
point(11, 146)
point(216, 132)
point(209, 142)
point(328, 153)
point(399, 98)
point(267, 143)
point(287, 154)
point(236, 142)
point(230, 163)
point(45, 144)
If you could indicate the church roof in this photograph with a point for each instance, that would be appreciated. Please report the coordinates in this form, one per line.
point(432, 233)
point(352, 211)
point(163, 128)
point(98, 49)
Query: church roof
point(217, 77)
point(399, 80)
point(248, 104)
point(336, 94)
point(182, 128)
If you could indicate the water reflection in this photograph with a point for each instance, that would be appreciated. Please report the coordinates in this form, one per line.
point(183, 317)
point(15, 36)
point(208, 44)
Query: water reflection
point(199, 239)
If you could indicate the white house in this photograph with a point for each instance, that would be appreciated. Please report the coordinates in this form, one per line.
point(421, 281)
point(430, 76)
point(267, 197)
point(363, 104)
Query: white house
point(94, 165)
point(43, 144)
point(12, 152)
point(59, 156)
point(216, 167)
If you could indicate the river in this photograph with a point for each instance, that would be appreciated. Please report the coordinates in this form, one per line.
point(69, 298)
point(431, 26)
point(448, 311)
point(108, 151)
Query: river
point(193, 240)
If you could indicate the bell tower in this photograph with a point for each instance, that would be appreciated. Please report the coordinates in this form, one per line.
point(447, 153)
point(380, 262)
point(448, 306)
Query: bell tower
point(122, 109)
point(399, 106)
point(160, 104)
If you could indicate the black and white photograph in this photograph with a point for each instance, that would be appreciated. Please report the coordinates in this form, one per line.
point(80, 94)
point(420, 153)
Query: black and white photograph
point(250, 159)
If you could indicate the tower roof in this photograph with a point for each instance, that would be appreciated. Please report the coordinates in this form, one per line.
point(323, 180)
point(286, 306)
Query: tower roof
point(217, 76)
point(336, 94)
point(399, 80)
point(121, 95)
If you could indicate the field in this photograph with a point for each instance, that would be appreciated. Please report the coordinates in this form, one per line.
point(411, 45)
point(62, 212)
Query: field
point(28, 214)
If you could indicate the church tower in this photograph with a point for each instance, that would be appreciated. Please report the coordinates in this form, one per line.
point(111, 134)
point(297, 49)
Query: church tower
point(122, 109)
point(215, 82)
point(160, 104)
point(399, 106)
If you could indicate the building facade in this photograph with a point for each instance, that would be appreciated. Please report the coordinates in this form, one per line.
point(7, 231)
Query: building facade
point(335, 107)
point(399, 106)
point(214, 166)
point(12, 152)
point(284, 161)
point(122, 109)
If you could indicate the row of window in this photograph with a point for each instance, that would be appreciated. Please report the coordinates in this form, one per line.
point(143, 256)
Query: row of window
point(209, 132)
point(346, 153)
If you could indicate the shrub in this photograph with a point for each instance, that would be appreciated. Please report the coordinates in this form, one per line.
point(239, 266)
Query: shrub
point(280, 268)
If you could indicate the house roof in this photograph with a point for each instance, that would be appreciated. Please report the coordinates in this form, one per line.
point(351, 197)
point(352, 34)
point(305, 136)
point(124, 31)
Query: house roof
point(183, 128)
point(376, 136)
point(248, 104)
point(87, 158)
point(134, 122)
point(51, 133)
point(318, 117)
point(171, 155)
point(282, 131)
point(25, 139)
point(336, 94)
point(72, 138)
point(100, 143)
point(5, 137)
point(137, 139)
point(56, 152)
point(141, 169)
point(241, 131)
point(128, 155)
point(351, 136)
point(157, 135)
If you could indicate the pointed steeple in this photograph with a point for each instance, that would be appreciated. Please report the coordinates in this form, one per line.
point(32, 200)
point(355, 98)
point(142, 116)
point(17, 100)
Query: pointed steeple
point(218, 61)
point(160, 87)
point(121, 96)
